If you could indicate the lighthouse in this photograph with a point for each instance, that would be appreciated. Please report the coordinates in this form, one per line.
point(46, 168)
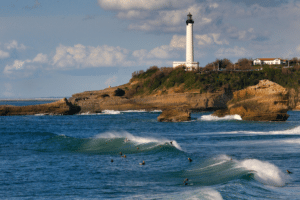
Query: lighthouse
point(189, 63)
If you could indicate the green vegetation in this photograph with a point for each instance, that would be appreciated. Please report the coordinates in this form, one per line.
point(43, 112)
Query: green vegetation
point(209, 81)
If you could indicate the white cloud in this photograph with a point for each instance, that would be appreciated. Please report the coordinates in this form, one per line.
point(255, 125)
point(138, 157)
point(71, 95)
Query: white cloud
point(17, 65)
point(14, 45)
point(140, 54)
point(3, 54)
point(110, 81)
point(81, 56)
point(41, 58)
point(178, 41)
point(141, 4)
point(232, 52)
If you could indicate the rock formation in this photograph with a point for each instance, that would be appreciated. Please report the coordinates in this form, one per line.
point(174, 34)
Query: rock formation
point(61, 107)
point(174, 115)
point(96, 101)
point(266, 101)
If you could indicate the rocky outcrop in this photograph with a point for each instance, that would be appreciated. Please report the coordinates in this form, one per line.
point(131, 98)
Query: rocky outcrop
point(174, 115)
point(61, 107)
point(96, 101)
point(266, 101)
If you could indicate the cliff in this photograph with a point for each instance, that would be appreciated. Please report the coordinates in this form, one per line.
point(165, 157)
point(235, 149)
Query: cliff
point(61, 107)
point(96, 101)
point(266, 101)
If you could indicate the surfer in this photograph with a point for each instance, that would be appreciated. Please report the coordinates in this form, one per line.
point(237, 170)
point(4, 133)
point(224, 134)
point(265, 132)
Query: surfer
point(123, 156)
point(289, 172)
point(143, 163)
point(137, 148)
point(120, 153)
point(185, 181)
point(171, 143)
point(111, 160)
point(126, 140)
point(190, 159)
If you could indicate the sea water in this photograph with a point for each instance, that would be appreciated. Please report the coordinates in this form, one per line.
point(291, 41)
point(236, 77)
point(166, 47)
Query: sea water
point(69, 157)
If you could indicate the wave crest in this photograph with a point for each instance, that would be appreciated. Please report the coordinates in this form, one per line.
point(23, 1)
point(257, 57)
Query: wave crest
point(215, 118)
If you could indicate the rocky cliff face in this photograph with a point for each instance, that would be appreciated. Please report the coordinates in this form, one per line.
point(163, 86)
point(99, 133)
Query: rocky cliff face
point(266, 101)
point(96, 101)
point(61, 107)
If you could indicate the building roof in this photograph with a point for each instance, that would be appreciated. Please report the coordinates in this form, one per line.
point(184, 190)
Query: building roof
point(268, 59)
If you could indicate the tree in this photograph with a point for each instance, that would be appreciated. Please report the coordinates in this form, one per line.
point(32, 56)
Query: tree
point(244, 64)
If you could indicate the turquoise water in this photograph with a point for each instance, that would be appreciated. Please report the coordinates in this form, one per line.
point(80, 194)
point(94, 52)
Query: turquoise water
point(69, 157)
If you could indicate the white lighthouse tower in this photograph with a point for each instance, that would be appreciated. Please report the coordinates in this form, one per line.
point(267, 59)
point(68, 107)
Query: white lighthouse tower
point(189, 63)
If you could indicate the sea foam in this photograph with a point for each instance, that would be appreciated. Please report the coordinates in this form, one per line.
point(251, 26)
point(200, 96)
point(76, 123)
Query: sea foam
point(215, 118)
point(265, 172)
point(111, 112)
point(137, 139)
point(293, 131)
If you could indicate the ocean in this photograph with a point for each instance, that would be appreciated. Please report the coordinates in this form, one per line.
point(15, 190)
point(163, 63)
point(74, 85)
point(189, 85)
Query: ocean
point(70, 157)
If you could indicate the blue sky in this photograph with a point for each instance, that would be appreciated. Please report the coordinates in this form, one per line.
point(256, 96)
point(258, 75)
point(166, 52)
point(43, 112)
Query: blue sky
point(61, 47)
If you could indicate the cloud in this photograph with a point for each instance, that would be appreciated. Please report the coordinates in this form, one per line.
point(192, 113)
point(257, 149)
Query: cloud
point(141, 4)
point(81, 56)
point(14, 45)
point(3, 54)
point(232, 52)
point(41, 58)
point(179, 41)
point(110, 81)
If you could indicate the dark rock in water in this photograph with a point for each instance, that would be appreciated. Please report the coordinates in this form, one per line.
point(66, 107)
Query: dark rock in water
point(174, 115)
point(119, 92)
point(61, 107)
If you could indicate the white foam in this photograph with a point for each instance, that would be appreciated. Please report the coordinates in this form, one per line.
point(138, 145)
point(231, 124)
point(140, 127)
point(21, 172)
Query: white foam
point(137, 139)
point(40, 114)
point(265, 172)
point(156, 111)
point(291, 141)
point(215, 118)
point(206, 193)
point(87, 113)
point(111, 112)
point(294, 131)
point(133, 111)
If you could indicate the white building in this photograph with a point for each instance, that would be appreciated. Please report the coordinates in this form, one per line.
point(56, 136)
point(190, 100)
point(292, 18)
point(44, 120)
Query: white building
point(269, 61)
point(189, 63)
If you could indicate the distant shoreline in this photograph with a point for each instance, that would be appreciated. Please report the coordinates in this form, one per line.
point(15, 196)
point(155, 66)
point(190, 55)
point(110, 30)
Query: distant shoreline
point(35, 99)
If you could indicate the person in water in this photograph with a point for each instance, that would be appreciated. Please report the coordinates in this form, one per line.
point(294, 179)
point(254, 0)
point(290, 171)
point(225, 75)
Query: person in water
point(190, 159)
point(120, 153)
point(289, 172)
point(143, 163)
point(185, 181)
point(171, 143)
point(111, 160)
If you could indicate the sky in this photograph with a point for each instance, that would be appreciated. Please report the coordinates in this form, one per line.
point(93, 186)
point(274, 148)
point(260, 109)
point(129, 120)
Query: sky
point(60, 47)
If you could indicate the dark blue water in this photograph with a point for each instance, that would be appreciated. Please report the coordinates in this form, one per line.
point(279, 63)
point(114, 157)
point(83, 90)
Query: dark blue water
point(69, 157)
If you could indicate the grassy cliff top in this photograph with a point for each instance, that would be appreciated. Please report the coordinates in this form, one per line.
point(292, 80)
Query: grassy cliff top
point(164, 80)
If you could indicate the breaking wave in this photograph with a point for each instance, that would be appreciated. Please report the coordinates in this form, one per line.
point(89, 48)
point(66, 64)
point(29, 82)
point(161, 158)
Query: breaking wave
point(215, 118)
